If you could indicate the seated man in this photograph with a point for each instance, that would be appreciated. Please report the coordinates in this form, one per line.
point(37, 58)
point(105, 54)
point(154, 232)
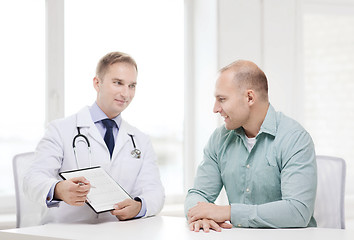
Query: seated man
point(265, 160)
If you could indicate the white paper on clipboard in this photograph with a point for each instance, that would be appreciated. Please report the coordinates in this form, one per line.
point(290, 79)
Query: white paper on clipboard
point(104, 193)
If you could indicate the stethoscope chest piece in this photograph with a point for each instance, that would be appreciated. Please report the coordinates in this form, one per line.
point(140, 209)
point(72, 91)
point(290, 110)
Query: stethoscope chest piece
point(136, 153)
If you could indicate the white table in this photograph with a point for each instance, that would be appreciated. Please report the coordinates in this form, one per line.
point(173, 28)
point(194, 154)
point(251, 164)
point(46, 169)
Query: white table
point(163, 227)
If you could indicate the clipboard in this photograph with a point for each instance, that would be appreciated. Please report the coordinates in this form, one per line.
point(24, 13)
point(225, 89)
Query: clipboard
point(104, 192)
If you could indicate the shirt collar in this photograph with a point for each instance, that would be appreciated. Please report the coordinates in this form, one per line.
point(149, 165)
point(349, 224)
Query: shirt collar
point(269, 124)
point(98, 115)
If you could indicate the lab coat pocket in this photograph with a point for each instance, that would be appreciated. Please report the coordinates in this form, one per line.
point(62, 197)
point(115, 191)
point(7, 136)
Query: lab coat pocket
point(130, 167)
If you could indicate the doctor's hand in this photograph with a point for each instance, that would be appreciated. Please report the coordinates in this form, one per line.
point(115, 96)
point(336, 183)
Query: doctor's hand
point(72, 191)
point(126, 209)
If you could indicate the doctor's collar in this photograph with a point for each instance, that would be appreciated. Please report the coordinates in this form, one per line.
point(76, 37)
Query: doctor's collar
point(98, 115)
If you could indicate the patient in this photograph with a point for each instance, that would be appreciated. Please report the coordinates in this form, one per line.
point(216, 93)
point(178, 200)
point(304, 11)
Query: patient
point(264, 159)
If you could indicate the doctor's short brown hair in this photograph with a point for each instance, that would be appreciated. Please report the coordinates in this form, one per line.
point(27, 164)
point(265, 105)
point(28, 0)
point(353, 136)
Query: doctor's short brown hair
point(112, 58)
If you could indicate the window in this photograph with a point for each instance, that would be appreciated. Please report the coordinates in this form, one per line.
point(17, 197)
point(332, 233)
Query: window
point(154, 38)
point(23, 69)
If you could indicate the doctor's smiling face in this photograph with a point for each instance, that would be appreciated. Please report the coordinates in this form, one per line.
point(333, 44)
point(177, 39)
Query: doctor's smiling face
point(116, 88)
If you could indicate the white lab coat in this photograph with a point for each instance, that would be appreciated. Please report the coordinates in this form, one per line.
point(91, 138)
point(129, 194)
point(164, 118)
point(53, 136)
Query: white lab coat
point(54, 153)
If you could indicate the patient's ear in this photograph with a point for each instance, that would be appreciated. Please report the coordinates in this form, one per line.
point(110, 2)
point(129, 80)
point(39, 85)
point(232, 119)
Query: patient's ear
point(251, 97)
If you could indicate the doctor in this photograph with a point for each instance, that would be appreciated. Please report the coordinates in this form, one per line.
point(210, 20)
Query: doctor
point(137, 173)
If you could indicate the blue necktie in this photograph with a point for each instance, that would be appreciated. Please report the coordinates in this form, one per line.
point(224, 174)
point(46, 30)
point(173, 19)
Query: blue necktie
point(108, 137)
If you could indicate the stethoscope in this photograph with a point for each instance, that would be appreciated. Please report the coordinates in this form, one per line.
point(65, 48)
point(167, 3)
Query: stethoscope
point(136, 153)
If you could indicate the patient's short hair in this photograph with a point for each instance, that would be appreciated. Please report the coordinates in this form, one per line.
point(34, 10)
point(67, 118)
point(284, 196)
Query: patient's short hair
point(248, 75)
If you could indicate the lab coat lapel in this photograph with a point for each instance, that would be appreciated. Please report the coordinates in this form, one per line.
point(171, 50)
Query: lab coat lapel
point(122, 138)
point(84, 120)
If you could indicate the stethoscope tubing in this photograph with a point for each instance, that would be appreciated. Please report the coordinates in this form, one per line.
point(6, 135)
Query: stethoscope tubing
point(136, 153)
point(88, 147)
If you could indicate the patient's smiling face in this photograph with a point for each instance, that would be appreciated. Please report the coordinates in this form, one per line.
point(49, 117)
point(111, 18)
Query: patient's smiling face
point(231, 101)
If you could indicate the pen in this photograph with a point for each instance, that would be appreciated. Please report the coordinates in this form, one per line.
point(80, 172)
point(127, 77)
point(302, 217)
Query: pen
point(82, 184)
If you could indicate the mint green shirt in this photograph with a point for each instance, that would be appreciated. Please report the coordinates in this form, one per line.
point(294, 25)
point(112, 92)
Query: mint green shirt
point(273, 186)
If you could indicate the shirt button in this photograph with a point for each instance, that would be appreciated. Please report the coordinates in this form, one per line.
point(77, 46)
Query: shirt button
point(248, 166)
point(247, 189)
point(239, 225)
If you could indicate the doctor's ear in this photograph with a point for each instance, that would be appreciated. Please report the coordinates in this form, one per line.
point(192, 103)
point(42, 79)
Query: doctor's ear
point(96, 82)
